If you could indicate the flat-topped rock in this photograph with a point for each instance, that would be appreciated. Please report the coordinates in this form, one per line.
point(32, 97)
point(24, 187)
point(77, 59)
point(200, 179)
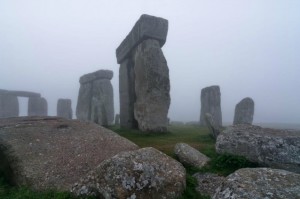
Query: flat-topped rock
point(147, 27)
point(20, 93)
point(64, 108)
point(100, 74)
point(9, 105)
point(51, 152)
point(269, 147)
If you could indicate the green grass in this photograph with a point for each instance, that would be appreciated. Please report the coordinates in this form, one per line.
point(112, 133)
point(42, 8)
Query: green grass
point(197, 137)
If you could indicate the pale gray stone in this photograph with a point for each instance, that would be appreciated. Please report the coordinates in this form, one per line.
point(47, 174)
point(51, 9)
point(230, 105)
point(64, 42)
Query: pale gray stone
point(100, 74)
point(152, 87)
point(127, 94)
point(189, 156)
point(9, 105)
point(102, 107)
point(37, 106)
point(147, 27)
point(268, 147)
point(95, 98)
point(260, 183)
point(244, 111)
point(64, 108)
point(145, 173)
point(208, 183)
point(214, 129)
point(20, 93)
point(83, 108)
point(211, 103)
point(45, 153)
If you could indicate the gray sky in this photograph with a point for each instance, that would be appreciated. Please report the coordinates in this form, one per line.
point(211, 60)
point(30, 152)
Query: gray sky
point(250, 48)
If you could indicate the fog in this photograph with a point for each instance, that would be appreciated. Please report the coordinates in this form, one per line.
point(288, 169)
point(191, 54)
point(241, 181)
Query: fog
point(249, 48)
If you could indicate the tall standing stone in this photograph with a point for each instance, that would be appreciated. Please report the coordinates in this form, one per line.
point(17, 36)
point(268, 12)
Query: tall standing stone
point(144, 76)
point(244, 111)
point(64, 108)
point(37, 106)
point(9, 105)
point(211, 103)
point(95, 99)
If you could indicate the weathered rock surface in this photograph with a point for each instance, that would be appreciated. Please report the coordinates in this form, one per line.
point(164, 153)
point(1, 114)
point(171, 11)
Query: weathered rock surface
point(102, 107)
point(95, 98)
point(37, 106)
point(260, 183)
point(127, 94)
point(208, 183)
point(214, 129)
point(64, 108)
point(270, 147)
point(244, 111)
point(144, 173)
point(152, 87)
point(9, 105)
point(147, 27)
point(211, 103)
point(50, 152)
point(100, 74)
point(188, 155)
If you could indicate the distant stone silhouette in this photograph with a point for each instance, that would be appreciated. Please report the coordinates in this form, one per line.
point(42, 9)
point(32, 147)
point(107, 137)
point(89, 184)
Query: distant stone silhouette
point(9, 104)
point(244, 111)
point(37, 106)
point(211, 103)
point(144, 76)
point(95, 99)
point(64, 108)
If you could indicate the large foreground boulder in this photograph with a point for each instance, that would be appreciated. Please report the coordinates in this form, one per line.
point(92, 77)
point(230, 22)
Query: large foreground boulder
point(190, 156)
point(260, 183)
point(208, 183)
point(268, 147)
point(144, 173)
point(51, 152)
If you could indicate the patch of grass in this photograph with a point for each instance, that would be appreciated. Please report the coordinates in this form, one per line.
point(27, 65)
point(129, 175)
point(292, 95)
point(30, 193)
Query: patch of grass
point(190, 192)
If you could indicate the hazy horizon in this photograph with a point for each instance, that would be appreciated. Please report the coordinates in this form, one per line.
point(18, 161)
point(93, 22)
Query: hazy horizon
point(249, 48)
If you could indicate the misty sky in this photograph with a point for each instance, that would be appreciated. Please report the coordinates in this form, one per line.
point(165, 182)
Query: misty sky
point(250, 48)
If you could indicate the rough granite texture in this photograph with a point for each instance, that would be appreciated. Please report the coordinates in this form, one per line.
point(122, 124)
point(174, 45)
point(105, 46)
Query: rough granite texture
point(152, 87)
point(214, 129)
point(260, 183)
point(244, 111)
point(64, 108)
point(147, 27)
point(53, 153)
point(208, 183)
point(37, 106)
point(211, 103)
point(9, 105)
point(189, 156)
point(145, 173)
point(268, 147)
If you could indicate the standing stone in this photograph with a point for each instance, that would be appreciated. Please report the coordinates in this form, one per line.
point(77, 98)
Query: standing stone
point(213, 128)
point(95, 99)
point(9, 105)
point(117, 119)
point(144, 76)
point(127, 94)
point(152, 87)
point(211, 103)
point(244, 111)
point(37, 106)
point(64, 108)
